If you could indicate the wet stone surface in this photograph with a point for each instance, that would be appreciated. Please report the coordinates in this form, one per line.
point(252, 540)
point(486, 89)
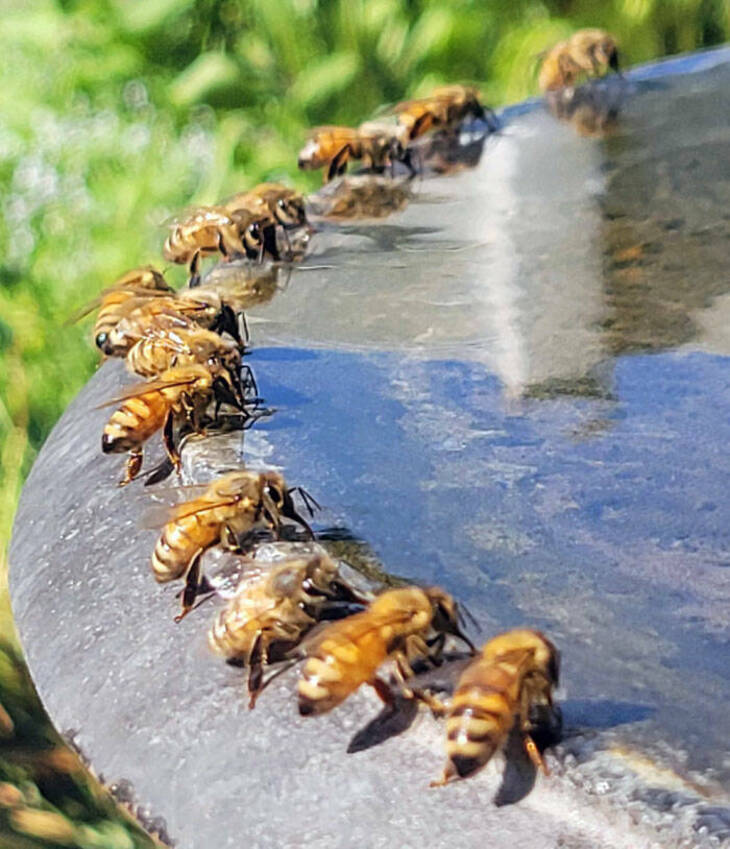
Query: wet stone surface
point(515, 386)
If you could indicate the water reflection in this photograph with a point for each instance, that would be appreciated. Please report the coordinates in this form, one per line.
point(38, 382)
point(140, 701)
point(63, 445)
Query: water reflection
point(441, 332)
point(553, 255)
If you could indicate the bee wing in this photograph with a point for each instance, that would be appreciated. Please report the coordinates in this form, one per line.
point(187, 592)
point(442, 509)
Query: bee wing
point(145, 386)
point(358, 625)
point(405, 105)
point(344, 133)
point(168, 339)
point(140, 297)
point(160, 514)
point(88, 307)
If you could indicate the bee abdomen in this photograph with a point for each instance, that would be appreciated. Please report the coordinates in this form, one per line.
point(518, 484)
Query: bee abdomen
point(174, 551)
point(321, 686)
point(174, 249)
point(149, 359)
point(222, 639)
point(477, 725)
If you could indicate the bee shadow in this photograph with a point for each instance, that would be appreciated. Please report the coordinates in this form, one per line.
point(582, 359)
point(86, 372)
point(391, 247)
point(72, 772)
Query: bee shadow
point(395, 719)
point(520, 772)
point(391, 721)
point(571, 718)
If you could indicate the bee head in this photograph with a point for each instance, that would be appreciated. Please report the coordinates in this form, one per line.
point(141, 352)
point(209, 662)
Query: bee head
point(254, 235)
point(606, 53)
point(103, 342)
point(275, 488)
point(309, 155)
point(446, 615)
point(291, 212)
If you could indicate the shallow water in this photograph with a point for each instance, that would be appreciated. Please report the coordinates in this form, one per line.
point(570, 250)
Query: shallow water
point(518, 387)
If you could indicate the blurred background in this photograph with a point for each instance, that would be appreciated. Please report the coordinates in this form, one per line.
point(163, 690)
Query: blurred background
point(116, 113)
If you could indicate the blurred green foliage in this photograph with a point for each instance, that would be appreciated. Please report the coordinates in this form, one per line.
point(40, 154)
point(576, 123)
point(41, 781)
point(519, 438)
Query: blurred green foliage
point(46, 798)
point(115, 113)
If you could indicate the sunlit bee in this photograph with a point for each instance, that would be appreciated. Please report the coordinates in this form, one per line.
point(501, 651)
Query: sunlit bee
point(180, 392)
point(402, 625)
point(185, 311)
point(514, 672)
point(445, 109)
point(284, 205)
point(230, 509)
point(130, 291)
point(269, 616)
point(211, 230)
point(159, 350)
point(588, 52)
point(378, 145)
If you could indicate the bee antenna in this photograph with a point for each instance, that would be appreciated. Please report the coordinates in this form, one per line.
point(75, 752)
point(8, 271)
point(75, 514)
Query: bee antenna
point(244, 326)
point(466, 616)
point(309, 501)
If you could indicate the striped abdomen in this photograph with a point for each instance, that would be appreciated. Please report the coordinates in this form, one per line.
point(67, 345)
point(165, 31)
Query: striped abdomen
point(342, 661)
point(200, 233)
point(150, 357)
point(136, 420)
point(481, 715)
point(183, 243)
point(180, 541)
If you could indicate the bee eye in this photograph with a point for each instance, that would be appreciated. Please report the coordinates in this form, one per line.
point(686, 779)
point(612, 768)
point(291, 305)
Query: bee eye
point(255, 231)
point(101, 340)
point(275, 494)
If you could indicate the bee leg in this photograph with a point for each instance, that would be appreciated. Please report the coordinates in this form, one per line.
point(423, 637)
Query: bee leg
point(222, 247)
point(407, 160)
point(403, 672)
point(422, 125)
point(134, 464)
point(192, 586)
point(230, 541)
point(285, 667)
point(257, 660)
point(449, 775)
point(384, 692)
point(249, 385)
point(534, 754)
point(338, 163)
point(437, 707)
point(269, 244)
point(435, 649)
point(168, 439)
point(194, 271)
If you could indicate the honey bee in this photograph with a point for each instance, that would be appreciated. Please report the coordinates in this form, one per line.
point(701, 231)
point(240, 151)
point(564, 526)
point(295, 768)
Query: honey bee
point(231, 508)
point(444, 109)
point(183, 391)
point(283, 204)
point(379, 145)
point(210, 230)
point(128, 292)
point(186, 311)
point(403, 625)
point(268, 616)
point(587, 51)
point(162, 349)
point(515, 672)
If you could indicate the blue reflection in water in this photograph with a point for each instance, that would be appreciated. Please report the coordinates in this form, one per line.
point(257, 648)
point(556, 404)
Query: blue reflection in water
point(604, 522)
